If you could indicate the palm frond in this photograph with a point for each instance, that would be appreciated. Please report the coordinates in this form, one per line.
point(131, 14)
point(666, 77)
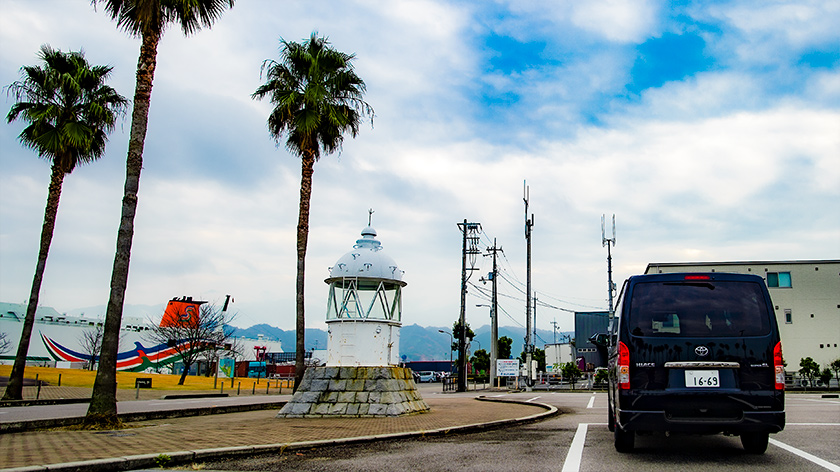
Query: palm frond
point(152, 16)
point(317, 96)
point(68, 107)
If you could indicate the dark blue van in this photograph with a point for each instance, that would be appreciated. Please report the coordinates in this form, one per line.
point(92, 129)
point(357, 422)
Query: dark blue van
point(696, 353)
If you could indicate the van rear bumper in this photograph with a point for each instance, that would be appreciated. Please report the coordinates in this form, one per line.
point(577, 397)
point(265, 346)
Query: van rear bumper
point(747, 421)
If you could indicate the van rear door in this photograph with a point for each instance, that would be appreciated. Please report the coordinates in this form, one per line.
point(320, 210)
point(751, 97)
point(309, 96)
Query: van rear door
point(703, 332)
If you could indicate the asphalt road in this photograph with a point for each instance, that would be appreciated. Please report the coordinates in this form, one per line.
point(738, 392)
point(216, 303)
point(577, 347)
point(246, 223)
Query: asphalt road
point(579, 441)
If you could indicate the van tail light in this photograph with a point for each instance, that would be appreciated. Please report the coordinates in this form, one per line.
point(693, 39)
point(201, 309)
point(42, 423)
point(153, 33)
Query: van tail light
point(623, 366)
point(779, 366)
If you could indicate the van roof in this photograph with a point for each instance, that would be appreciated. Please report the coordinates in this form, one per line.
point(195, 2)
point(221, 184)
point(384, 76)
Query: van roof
point(712, 276)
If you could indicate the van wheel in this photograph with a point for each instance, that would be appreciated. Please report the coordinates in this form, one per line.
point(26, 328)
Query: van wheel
point(610, 419)
point(624, 440)
point(755, 443)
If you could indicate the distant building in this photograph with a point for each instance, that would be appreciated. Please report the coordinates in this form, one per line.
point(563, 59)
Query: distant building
point(806, 298)
point(587, 325)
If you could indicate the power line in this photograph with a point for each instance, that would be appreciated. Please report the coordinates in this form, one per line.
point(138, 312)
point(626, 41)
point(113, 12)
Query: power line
point(546, 305)
point(568, 302)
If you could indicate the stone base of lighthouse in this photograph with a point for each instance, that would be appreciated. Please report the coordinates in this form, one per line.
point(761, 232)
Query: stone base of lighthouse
point(355, 392)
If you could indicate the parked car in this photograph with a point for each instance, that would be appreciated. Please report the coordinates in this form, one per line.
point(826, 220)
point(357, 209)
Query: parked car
point(696, 353)
point(426, 376)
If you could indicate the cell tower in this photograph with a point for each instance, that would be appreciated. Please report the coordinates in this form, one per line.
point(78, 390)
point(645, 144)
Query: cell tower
point(609, 242)
point(529, 347)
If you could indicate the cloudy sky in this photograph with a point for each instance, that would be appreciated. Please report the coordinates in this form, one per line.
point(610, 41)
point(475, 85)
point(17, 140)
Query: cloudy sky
point(710, 129)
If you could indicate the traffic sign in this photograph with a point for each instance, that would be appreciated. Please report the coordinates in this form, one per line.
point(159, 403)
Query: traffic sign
point(507, 367)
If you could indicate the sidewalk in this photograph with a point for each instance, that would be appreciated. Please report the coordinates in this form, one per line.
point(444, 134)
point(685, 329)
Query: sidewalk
point(52, 392)
point(191, 439)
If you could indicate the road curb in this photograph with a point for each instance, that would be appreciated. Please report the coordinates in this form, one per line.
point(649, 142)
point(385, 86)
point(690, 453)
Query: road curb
point(53, 401)
point(21, 426)
point(184, 457)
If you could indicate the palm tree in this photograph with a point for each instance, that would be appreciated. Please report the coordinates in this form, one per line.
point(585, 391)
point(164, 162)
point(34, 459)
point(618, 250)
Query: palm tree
point(317, 97)
point(146, 19)
point(70, 112)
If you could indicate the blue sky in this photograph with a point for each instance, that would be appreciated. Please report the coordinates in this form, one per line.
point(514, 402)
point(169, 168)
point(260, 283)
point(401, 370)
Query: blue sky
point(711, 130)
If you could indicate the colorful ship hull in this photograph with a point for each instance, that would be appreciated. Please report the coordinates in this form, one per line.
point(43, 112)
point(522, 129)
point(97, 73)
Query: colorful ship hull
point(135, 360)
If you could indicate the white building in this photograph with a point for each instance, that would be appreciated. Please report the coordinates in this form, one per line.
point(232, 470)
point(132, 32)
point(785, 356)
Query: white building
point(806, 298)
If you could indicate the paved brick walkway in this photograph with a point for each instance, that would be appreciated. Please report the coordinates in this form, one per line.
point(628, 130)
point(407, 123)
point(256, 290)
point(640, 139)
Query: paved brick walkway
point(240, 429)
point(52, 392)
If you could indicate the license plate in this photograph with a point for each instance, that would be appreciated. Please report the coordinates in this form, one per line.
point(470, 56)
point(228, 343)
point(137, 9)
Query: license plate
point(702, 378)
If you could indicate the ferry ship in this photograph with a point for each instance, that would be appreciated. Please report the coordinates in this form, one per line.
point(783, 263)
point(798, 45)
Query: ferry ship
point(57, 339)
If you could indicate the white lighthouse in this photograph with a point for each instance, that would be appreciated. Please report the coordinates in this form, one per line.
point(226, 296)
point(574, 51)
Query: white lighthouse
point(364, 306)
point(362, 377)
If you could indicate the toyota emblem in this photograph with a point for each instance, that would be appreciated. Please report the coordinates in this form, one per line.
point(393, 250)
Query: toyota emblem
point(701, 351)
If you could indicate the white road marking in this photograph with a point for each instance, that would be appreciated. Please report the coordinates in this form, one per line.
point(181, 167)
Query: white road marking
point(532, 399)
point(805, 455)
point(812, 424)
point(175, 402)
point(575, 453)
point(816, 400)
point(573, 457)
point(591, 401)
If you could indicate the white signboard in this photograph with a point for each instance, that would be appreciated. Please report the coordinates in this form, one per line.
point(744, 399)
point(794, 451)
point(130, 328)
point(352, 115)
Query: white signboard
point(507, 367)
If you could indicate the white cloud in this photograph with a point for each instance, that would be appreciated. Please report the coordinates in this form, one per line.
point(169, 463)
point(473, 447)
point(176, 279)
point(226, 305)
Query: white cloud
point(623, 21)
point(769, 31)
point(617, 20)
point(796, 22)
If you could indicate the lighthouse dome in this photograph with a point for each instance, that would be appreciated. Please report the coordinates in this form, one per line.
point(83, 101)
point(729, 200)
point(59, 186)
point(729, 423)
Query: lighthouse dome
point(367, 260)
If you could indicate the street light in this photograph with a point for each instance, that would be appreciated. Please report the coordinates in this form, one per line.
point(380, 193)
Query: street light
point(451, 342)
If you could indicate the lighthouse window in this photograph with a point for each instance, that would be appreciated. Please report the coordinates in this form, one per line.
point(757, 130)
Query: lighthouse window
point(364, 299)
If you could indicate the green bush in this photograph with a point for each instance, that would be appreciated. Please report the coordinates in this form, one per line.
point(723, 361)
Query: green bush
point(571, 373)
point(602, 377)
point(809, 369)
point(825, 376)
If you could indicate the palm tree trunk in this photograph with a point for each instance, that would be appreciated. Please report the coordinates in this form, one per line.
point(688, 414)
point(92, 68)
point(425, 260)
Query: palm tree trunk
point(103, 405)
point(307, 169)
point(14, 390)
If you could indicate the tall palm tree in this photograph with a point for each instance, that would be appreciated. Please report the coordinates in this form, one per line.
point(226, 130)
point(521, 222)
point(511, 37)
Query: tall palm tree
point(146, 19)
point(70, 111)
point(317, 97)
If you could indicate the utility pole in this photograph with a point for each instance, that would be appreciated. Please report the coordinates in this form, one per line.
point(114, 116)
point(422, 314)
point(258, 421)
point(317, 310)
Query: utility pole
point(529, 223)
point(611, 286)
point(494, 310)
point(554, 323)
point(534, 325)
point(470, 234)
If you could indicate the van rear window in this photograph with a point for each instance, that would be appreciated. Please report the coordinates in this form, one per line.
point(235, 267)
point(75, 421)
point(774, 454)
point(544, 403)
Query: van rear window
point(698, 309)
